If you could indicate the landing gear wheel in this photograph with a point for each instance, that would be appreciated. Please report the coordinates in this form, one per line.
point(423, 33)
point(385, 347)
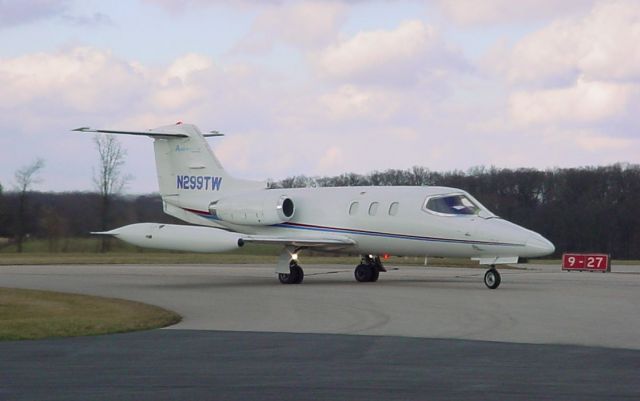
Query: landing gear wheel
point(492, 278)
point(365, 273)
point(375, 275)
point(295, 276)
point(298, 273)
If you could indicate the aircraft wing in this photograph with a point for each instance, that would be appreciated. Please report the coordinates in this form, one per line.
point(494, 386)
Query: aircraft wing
point(335, 242)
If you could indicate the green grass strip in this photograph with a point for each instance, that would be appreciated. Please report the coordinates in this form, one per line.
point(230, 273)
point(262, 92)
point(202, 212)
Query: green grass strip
point(30, 315)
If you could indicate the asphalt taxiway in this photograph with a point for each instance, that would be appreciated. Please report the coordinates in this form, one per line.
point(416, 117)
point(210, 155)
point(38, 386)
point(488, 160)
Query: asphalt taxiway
point(418, 332)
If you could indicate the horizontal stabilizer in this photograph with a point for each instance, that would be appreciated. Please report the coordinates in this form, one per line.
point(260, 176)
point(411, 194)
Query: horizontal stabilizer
point(212, 133)
point(152, 134)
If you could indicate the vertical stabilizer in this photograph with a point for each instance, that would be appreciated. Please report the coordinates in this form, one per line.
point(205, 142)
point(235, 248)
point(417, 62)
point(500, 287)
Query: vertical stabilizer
point(189, 174)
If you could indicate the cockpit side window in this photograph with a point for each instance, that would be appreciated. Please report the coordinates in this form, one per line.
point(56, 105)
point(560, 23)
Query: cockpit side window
point(451, 205)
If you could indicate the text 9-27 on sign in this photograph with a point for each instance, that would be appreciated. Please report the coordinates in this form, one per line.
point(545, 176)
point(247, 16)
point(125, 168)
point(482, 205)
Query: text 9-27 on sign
point(586, 261)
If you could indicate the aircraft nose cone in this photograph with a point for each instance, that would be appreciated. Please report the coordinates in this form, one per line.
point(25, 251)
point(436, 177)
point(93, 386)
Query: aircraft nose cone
point(539, 245)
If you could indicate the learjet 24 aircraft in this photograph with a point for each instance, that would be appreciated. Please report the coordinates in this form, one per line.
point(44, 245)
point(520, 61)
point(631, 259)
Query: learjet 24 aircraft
point(371, 221)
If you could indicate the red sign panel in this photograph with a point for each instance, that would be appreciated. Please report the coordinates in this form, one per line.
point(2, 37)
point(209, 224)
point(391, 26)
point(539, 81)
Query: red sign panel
point(586, 261)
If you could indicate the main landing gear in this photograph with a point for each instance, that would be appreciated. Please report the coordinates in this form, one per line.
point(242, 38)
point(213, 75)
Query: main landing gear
point(295, 275)
point(290, 272)
point(492, 278)
point(369, 269)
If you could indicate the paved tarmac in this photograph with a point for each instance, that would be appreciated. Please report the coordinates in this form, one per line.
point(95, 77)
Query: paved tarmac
point(213, 365)
point(543, 334)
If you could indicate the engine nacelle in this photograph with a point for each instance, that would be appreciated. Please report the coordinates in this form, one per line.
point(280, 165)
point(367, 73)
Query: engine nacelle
point(178, 238)
point(263, 208)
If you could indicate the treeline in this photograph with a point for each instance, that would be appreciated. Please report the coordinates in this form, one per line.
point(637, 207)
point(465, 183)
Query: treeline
point(578, 209)
point(55, 216)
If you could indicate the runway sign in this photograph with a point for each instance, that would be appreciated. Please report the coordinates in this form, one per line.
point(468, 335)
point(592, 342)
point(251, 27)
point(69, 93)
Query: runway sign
point(596, 262)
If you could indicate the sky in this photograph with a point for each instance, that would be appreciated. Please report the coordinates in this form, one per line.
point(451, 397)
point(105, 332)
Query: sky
point(320, 87)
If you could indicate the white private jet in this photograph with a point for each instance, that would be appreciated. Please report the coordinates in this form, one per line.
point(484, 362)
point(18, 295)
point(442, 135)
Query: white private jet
point(371, 221)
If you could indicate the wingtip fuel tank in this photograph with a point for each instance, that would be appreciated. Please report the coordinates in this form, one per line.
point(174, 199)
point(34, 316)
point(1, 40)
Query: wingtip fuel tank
point(177, 237)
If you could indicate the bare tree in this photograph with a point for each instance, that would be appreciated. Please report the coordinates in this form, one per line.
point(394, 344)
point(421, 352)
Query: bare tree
point(109, 179)
point(25, 178)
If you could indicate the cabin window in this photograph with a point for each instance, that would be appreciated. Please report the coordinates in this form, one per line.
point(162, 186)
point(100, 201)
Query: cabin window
point(451, 205)
point(393, 208)
point(353, 209)
point(373, 208)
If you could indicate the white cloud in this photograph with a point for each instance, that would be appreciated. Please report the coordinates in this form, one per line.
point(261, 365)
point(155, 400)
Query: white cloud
point(352, 102)
point(401, 91)
point(577, 74)
point(234, 152)
point(331, 159)
point(410, 53)
point(183, 67)
point(80, 79)
point(181, 5)
point(587, 101)
point(306, 24)
point(603, 45)
point(599, 143)
point(470, 12)
point(176, 97)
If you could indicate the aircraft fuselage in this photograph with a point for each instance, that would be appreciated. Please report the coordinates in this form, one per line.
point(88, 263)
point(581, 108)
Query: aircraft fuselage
point(394, 221)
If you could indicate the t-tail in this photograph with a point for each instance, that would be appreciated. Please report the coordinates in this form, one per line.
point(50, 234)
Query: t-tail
point(190, 176)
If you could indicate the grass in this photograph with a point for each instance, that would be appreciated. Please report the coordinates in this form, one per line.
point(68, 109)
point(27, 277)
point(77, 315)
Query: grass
point(197, 258)
point(129, 258)
point(85, 251)
point(30, 315)
point(35, 253)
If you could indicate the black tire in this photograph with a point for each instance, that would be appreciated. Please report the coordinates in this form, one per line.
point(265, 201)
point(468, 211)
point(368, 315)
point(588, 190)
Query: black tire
point(492, 279)
point(363, 273)
point(298, 274)
point(295, 275)
point(375, 274)
point(285, 278)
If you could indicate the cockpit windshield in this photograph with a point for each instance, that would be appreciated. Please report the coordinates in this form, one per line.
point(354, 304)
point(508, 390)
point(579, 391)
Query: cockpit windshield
point(454, 205)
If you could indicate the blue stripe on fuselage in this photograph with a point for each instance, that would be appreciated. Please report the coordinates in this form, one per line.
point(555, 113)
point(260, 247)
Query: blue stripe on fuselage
point(388, 235)
point(299, 226)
